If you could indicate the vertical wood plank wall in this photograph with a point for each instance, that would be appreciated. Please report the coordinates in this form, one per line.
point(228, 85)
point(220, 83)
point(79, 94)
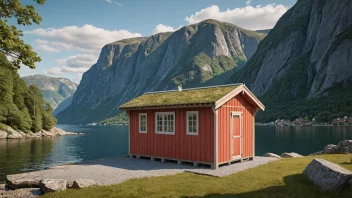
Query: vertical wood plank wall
point(237, 103)
point(179, 146)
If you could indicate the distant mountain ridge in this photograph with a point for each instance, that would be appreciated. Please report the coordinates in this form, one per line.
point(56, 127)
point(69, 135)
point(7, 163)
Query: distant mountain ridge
point(54, 90)
point(207, 53)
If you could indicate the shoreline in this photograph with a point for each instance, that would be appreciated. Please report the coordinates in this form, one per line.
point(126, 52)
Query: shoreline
point(8, 133)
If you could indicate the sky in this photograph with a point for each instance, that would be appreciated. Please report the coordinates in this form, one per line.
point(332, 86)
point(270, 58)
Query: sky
point(72, 33)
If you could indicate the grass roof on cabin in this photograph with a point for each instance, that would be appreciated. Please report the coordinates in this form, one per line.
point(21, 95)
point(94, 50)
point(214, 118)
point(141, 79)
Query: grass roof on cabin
point(204, 95)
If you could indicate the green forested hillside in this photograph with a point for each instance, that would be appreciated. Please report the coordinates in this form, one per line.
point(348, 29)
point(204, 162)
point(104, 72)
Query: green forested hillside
point(22, 107)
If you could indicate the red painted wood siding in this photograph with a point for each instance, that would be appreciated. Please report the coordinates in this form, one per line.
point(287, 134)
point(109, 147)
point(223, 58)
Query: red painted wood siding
point(239, 104)
point(179, 146)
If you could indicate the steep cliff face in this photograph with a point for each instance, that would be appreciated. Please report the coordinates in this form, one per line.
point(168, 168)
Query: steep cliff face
point(206, 53)
point(308, 51)
point(304, 65)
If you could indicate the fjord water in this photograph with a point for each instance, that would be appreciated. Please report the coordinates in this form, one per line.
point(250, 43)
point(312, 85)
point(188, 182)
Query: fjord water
point(25, 155)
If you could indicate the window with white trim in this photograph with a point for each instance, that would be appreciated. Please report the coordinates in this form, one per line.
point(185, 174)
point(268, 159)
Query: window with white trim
point(192, 122)
point(142, 123)
point(165, 123)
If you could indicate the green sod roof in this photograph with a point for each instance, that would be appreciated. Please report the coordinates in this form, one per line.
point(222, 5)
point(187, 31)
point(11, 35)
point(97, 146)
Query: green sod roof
point(205, 95)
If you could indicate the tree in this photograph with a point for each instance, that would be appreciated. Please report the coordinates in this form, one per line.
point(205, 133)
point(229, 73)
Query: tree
point(49, 120)
point(10, 41)
point(20, 91)
point(34, 103)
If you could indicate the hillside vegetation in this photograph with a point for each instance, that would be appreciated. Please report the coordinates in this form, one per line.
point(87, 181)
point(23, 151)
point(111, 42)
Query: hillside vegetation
point(22, 107)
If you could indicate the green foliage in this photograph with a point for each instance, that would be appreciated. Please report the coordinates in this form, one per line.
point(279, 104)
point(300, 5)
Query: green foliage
point(21, 107)
point(34, 102)
point(331, 104)
point(10, 42)
point(49, 121)
point(119, 119)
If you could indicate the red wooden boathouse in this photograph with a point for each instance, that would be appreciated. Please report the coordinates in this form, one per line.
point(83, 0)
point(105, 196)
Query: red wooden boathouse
point(207, 125)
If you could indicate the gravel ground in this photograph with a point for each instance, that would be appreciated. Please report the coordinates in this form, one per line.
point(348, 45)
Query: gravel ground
point(20, 193)
point(119, 169)
point(227, 170)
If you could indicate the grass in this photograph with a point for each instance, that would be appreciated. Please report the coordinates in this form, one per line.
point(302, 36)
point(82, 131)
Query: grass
point(3, 126)
point(193, 96)
point(282, 178)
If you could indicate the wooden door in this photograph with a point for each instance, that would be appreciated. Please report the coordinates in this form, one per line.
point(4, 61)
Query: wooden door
point(236, 136)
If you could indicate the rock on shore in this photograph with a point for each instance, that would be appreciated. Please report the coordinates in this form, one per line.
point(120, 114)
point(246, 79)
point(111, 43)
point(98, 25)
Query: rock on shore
point(343, 147)
point(327, 176)
point(10, 133)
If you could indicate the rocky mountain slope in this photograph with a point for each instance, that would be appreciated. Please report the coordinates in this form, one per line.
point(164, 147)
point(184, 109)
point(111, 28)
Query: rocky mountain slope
point(54, 90)
point(206, 53)
point(306, 59)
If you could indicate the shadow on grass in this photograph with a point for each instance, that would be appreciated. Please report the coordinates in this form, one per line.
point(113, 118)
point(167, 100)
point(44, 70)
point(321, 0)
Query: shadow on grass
point(296, 185)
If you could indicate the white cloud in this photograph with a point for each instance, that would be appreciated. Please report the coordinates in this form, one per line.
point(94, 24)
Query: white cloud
point(119, 4)
point(46, 48)
point(66, 69)
point(79, 60)
point(249, 17)
point(54, 71)
point(248, 2)
point(162, 28)
point(85, 37)
point(79, 70)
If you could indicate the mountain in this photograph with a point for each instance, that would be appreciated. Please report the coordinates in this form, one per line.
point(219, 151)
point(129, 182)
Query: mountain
point(63, 105)
point(303, 67)
point(266, 31)
point(207, 53)
point(55, 90)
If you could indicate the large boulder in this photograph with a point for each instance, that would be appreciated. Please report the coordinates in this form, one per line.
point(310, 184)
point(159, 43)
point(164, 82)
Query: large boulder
point(326, 175)
point(317, 153)
point(345, 146)
point(83, 183)
point(12, 134)
point(52, 185)
point(3, 134)
point(290, 155)
point(271, 155)
point(331, 149)
point(25, 180)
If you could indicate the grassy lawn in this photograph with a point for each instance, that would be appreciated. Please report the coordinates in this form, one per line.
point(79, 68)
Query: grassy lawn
point(282, 178)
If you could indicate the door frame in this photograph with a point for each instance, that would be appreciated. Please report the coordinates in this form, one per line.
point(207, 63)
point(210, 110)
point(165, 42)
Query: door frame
point(240, 115)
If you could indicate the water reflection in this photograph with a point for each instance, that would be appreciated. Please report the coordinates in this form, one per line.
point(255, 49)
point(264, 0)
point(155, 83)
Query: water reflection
point(34, 154)
point(24, 155)
point(303, 140)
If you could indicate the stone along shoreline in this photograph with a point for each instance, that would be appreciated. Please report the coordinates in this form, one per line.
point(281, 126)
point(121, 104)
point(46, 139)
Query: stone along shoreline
point(9, 133)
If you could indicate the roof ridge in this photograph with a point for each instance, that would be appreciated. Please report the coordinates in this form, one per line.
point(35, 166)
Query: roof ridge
point(207, 87)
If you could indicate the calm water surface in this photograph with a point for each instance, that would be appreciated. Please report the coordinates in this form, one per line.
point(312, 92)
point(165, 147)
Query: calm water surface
point(106, 141)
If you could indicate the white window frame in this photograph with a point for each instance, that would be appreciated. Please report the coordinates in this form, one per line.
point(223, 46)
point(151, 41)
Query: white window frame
point(187, 123)
point(156, 123)
point(139, 122)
